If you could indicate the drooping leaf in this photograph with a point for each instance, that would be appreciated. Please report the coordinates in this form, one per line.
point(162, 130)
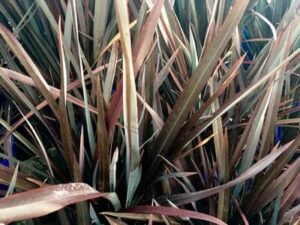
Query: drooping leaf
point(42, 201)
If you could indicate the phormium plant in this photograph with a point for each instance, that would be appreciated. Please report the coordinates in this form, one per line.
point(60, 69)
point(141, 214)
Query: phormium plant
point(149, 111)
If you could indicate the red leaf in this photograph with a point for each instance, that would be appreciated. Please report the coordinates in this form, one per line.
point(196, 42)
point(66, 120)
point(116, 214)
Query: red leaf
point(168, 211)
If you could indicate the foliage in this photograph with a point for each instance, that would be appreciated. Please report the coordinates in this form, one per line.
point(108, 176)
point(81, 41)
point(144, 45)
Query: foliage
point(176, 112)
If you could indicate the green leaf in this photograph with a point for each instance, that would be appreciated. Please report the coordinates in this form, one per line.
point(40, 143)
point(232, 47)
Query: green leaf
point(91, 136)
point(130, 103)
point(253, 136)
point(13, 182)
point(101, 10)
point(195, 85)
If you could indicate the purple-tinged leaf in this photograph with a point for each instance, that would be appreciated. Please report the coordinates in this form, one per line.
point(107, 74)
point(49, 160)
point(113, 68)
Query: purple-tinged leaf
point(42, 201)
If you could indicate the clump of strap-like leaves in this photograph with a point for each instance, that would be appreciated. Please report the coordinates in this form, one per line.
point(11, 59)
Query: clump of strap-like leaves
point(178, 112)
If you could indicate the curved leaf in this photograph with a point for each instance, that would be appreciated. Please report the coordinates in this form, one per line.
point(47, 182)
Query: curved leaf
point(42, 201)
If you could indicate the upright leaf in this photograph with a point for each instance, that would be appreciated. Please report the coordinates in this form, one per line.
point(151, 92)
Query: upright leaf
point(102, 142)
point(195, 85)
point(130, 103)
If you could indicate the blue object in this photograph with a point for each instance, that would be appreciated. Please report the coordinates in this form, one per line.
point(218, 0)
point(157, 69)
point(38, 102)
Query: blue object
point(278, 134)
point(279, 129)
point(5, 162)
point(246, 46)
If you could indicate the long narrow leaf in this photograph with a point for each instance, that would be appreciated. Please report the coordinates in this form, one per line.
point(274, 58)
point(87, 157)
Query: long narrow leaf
point(130, 103)
point(195, 85)
point(42, 201)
